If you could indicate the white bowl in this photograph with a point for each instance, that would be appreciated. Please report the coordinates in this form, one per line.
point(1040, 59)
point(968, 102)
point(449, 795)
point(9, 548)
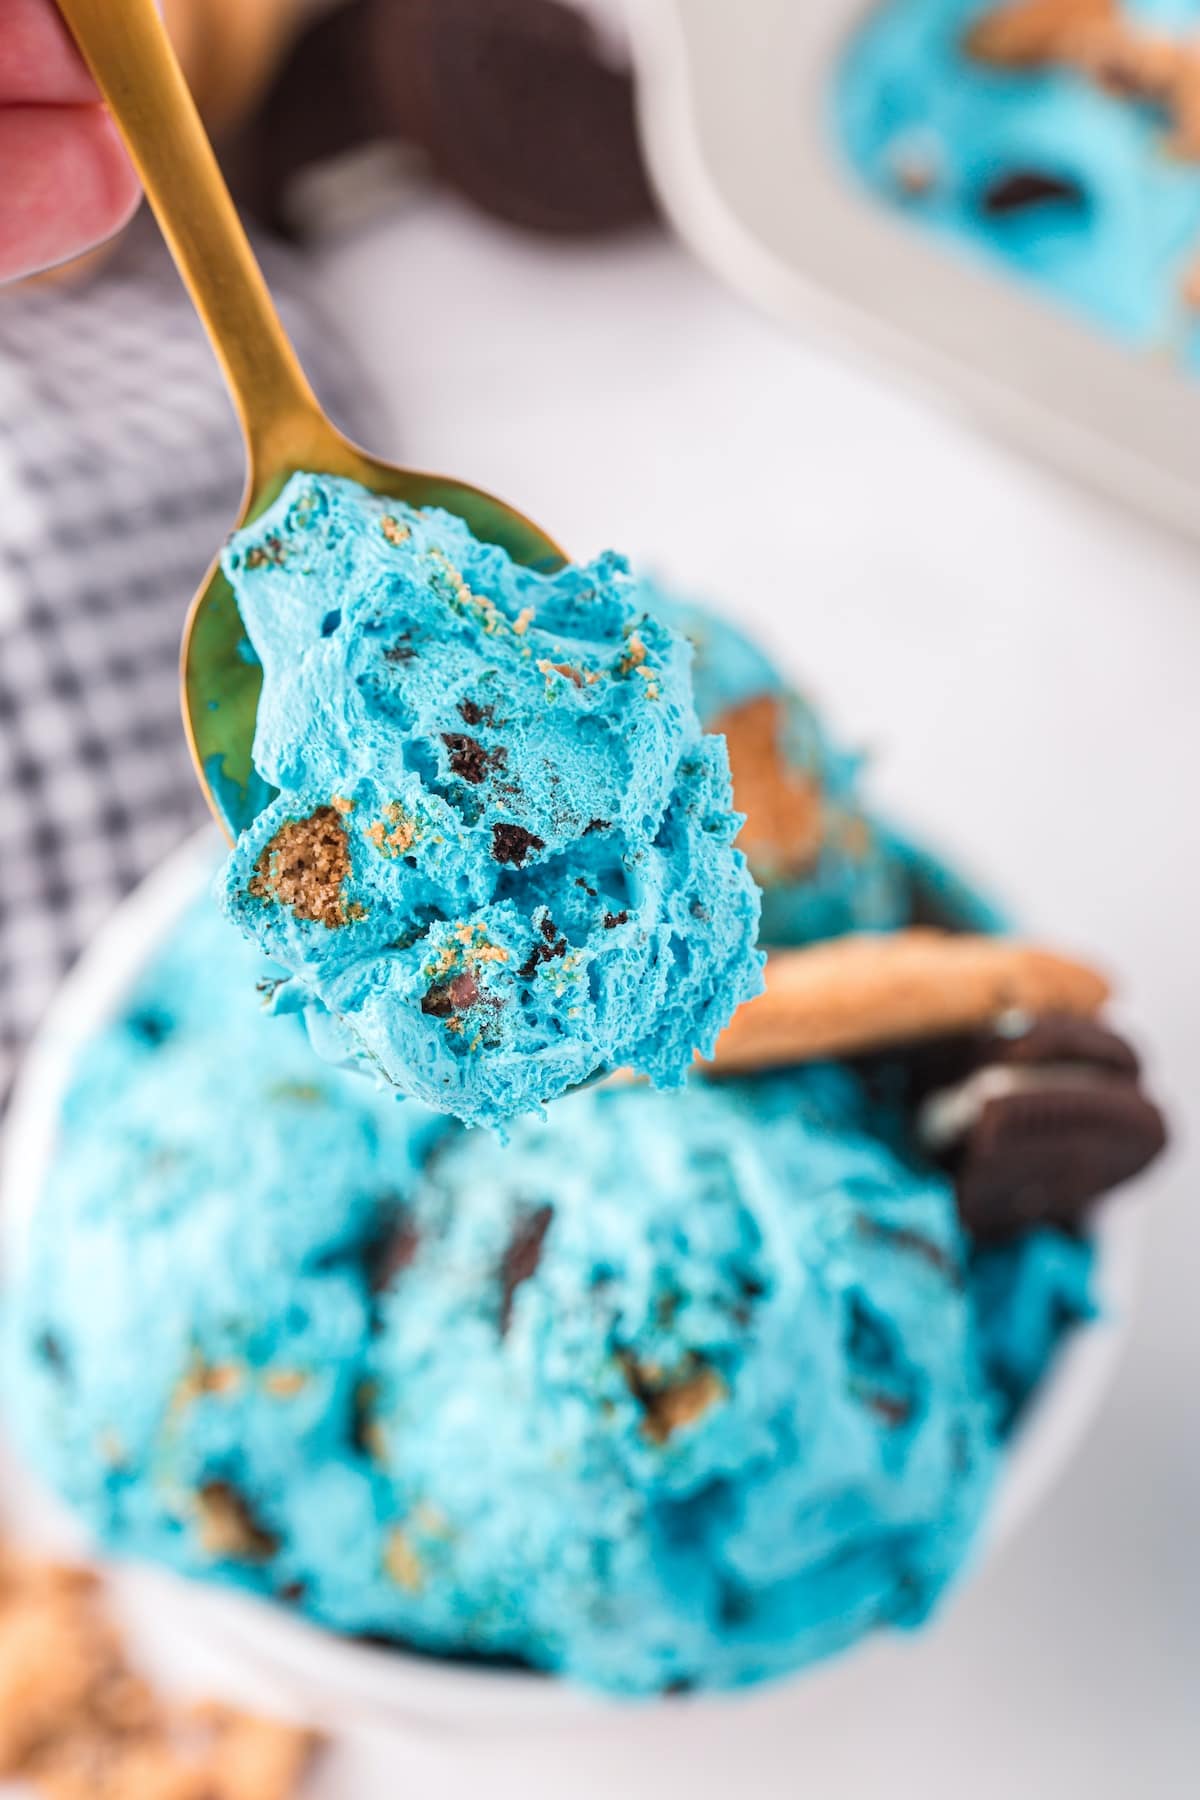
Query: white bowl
point(319, 1675)
point(736, 110)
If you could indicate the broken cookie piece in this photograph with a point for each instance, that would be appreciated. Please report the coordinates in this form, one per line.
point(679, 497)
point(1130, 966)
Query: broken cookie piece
point(77, 1723)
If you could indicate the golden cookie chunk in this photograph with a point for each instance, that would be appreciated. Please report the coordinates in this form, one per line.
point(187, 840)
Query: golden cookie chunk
point(56, 1654)
point(865, 992)
point(78, 1724)
point(784, 808)
point(1032, 34)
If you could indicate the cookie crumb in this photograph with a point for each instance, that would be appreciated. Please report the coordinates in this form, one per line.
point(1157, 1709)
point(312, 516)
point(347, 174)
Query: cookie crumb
point(393, 530)
point(672, 1401)
point(78, 1723)
point(228, 1529)
point(394, 834)
point(285, 1384)
point(521, 1259)
point(402, 1563)
point(270, 554)
point(305, 867)
point(512, 844)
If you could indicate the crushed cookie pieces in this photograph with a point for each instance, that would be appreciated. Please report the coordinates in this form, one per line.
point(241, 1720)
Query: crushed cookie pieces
point(461, 595)
point(907, 1242)
point(579, 677)
point(633, 662)
point(78, 1723)
point(612, 920)
point(512, 844)
point(340, 804)
point(203, 1379)
point(285, 1384)
point(521, 1259)
point(448, 998)
point(305, 867)
point(523, 621)
point(394, 834)
point(635, 653)
point(431, 1521)
point(890, 1409)
point(270, 554)
point(393, 530)
point(675, 1400)
point(468, 758)
point(402, 1563)
point(552, 945)
point(297, 1093)
point(395, 1254)
point(472, 713)
point(227, 1527)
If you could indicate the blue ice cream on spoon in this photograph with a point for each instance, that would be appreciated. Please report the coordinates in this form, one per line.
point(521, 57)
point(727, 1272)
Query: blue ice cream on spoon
point(500, 858)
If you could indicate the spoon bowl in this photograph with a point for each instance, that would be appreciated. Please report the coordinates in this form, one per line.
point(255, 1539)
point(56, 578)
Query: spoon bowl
point(129, 54)
point(221, 679)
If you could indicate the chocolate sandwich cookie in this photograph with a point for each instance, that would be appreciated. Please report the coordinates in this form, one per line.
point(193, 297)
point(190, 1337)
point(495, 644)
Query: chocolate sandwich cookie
point(516, 107)
point(1037, 1118)
point(511, 101)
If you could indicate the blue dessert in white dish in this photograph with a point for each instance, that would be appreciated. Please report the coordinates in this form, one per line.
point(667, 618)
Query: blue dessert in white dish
point(679, 1390)
point(1058, 138)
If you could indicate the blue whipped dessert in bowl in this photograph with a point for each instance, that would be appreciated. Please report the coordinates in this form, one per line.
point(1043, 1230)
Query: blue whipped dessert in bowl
point(668, 1393)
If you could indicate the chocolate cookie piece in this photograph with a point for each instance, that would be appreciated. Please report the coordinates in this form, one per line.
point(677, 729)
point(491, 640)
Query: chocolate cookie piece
point(1042, 1120)
point(1029, 190)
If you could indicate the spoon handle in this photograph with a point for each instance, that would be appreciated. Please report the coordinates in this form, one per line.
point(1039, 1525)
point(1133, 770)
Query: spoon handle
point(126, 46)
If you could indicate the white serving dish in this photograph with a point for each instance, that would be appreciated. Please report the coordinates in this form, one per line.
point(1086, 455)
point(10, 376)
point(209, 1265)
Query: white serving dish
point(736, 103)
point(255, 1647)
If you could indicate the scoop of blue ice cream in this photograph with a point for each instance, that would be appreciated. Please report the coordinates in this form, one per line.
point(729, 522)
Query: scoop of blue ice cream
point(500, 856)
point(673, 1389)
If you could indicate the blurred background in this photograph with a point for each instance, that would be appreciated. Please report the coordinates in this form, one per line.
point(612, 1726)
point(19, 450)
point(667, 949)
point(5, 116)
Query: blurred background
point(574, 313)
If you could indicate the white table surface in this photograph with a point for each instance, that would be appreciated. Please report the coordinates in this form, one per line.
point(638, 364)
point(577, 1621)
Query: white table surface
point(1022, 661)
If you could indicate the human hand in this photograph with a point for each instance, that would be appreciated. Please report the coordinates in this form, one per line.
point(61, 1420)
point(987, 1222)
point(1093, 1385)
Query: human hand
point(66, 181)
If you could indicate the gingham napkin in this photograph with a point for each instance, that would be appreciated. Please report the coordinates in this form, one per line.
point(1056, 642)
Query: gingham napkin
point(120, 471)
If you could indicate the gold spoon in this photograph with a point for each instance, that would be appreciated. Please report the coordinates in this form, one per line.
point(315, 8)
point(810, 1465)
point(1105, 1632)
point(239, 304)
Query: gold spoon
point(129, 53)
point(828, 1000)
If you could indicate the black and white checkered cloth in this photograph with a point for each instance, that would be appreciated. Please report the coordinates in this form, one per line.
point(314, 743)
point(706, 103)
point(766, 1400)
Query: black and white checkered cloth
point(120, 472)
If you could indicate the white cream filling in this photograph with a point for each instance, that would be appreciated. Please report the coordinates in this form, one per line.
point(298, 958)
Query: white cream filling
point(946, 1117)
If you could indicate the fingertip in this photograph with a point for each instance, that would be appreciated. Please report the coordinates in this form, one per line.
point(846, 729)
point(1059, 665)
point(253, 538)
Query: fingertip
point(117, 188)
point(68, 185)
